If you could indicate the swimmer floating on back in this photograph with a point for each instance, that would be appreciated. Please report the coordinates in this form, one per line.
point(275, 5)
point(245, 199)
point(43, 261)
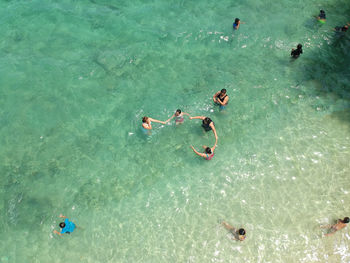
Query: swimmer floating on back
point(179, 117)
point(296, 52)
point(221, 98)
point(239, 234)
point(208, 152)
point(146, 123)
point(337, 226)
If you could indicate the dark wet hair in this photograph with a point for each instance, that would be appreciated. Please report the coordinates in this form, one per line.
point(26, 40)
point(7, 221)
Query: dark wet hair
point(208, 150)
point(144, 119)
point(207, 120)
point(179, 111)
point(62, 225)
point(299, 46)
point(237, 20)
point(322, 11)
point(346, 220)
point(344, 28)
point(223, 91)
point(241, 231)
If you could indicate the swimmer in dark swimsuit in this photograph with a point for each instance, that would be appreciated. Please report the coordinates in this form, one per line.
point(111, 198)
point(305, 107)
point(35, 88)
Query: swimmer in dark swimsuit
point(322, 16)
point(208, 152)
point(238, 234)
point(207, 124)
point(221, 98)
point(342, 28)
point(179, 117)
point(296, 52)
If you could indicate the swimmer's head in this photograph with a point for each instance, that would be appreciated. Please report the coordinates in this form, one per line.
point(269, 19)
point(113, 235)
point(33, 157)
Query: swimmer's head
point(344, 28)
point(223, 91)
point(178, 112)
point(241, 231)
point(299, 46)
point(144, 119)
point(207, 120)
point(62, 225)
point(321, 11)
point(237, 20)
point(208, 150)
point(346, 220)
point(241, 234)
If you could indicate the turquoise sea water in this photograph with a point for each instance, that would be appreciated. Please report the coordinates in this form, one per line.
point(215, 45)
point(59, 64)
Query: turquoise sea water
point(77, 77)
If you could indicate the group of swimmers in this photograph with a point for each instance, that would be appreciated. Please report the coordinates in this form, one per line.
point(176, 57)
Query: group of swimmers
point(295, 53)
point(322, 19)
point(220, 98)
point(68, 227)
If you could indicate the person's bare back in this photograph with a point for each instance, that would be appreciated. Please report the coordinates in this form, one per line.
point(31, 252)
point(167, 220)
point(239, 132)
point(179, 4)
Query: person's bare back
point(341, 223)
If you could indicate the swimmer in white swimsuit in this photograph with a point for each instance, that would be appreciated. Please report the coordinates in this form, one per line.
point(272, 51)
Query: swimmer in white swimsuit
point(179, 117)
point(146, 123)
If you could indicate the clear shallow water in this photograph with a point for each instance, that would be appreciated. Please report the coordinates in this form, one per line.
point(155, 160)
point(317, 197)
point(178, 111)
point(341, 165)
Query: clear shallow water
point(76, 78)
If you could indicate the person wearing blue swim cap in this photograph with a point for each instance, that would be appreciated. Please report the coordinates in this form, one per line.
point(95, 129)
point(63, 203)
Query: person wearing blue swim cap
point(67, 226)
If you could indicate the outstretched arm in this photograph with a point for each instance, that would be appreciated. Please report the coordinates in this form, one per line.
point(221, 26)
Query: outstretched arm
point(56, 232)
point(331, 233)
point(162, 122)
point(62, 216)
point(198, 153)
point(214, 131)
point(197, 117)
point(170, 118)
point(185, 113)
point(228, 227)
point(213, 148)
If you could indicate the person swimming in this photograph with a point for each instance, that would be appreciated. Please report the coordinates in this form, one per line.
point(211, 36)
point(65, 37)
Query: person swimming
point(179, 117)
point(239, 234)
point(341, 223)
point(67, 226)
point(147, 123)
point(207, 124)
point(322, 16)
point(236, 23)
point(296, 52)
point(208, 152)
point(221, 98)
point(341, 28)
